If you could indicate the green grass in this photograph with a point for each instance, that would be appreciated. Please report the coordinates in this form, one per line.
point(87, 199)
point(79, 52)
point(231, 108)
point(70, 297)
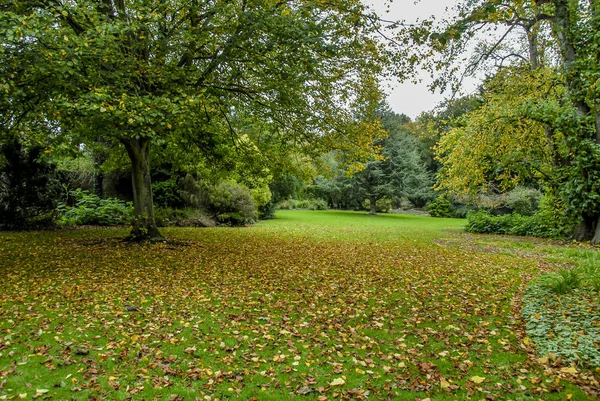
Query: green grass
point(398, 307)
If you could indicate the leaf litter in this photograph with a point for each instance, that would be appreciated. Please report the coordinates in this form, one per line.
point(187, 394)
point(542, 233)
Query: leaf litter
point(255, 314)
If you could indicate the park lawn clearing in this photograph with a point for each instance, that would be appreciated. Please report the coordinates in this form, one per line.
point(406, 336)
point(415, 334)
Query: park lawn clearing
point(311, 305)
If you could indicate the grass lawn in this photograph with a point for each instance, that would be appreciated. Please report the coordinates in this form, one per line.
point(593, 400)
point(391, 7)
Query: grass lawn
point(311, 305)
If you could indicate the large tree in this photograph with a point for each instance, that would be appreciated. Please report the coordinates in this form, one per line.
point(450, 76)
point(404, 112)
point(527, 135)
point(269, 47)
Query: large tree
point(197, 73)
point(560, 35)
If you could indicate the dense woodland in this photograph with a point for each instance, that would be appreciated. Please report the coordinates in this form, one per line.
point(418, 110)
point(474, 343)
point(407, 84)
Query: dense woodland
point(219, 113)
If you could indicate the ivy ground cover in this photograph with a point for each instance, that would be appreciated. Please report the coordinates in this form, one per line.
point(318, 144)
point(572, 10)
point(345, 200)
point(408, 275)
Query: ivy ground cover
point(309, 306)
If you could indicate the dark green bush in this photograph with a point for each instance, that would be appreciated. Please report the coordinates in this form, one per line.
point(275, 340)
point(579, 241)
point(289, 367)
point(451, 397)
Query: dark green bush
point(91, 209)
point(28, 188)
point(267, 212)
point(440, 207)
point(166, 194)
point(510, 224)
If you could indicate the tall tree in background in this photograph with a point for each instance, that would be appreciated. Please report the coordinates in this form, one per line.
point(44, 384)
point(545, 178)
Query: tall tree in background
point(194, 73)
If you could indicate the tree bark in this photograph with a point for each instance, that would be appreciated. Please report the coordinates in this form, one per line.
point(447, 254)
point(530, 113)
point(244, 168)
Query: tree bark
point(372, 205)
point(144, 226)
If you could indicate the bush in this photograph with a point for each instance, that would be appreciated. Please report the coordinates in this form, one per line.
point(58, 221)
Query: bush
point(309, 204)
point(524, 201)
point(91, 209)
point(317, 204)
point(440, 207)
point(287, 204)
point(228, 199)
point(511, 224)
point(165, 194)
point(28, 188)
point(554, 220)
point(267, 212)
point(231, 219)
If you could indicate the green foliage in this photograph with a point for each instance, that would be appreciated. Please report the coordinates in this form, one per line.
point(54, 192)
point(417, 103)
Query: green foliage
point(231, 83)
point(590, 271)
point(232, 203)
point(90, 209)
point(232, 219)
point(165, 194)
point(28, 187)
point(186, 217)
point(306, 204)
point(382, 205)
point(510, 224)
point(565, 280)
point(524, 201)
point(560, 319)
point(554, 219)
point(440, 207)
point(267, 212)
point(287, 186)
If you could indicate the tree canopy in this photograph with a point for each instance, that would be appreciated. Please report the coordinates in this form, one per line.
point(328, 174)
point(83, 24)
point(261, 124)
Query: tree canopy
point(212, 75)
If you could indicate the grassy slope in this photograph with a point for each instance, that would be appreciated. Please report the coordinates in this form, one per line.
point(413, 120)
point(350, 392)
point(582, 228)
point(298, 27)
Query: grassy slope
point(389, 306)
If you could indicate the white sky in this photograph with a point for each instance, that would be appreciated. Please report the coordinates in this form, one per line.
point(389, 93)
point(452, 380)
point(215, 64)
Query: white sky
point(408, 98)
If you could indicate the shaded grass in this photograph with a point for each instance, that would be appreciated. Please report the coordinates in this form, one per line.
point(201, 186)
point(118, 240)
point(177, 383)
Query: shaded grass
point(276, 311)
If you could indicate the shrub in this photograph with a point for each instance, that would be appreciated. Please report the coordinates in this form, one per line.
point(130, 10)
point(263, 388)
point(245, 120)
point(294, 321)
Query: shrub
point(230, 199)
point(231, 219)
point(287, 204)
point(91, 209)
point(166, 194)
point(524, 201)
point(511, 224)
point(309, 204)
point(317, 204)
point(440, 207)
point(267, 212)
point(554, 220)
point(28, 188)
point(168, 217)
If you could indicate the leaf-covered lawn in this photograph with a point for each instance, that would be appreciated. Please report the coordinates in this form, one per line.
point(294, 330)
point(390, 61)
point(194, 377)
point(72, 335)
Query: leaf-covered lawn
point(312, 305)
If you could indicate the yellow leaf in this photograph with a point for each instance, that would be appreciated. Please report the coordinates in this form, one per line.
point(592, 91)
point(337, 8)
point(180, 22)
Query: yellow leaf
point(570, 369)
point(444, 383)
point(477, 379)
point(337, 382)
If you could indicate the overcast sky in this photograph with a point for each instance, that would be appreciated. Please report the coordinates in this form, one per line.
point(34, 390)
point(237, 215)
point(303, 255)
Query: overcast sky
point(407, 97)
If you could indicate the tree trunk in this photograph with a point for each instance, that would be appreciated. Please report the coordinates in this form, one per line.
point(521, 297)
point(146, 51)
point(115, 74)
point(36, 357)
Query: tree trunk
point(586, 229)
point(596, 237)
point(372, 205)
point(144, 226)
